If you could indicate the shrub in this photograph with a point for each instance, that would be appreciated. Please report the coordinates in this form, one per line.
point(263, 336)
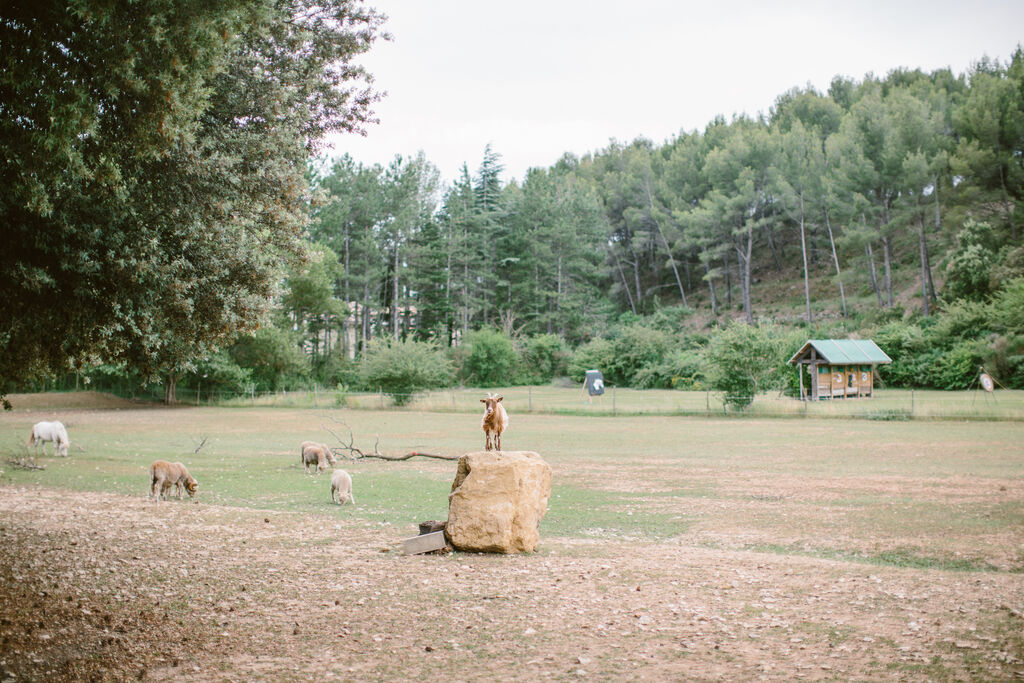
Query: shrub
point(637, 347)
point(598, 354)
point(218, 372)
point(490, 360)
point(967, 275)
point(684, 369)
point(742, 359)
point(904, 343)
point(274, 358)
point(957, 367)
point(543, 358)
point(402, 368)
point(335, 369)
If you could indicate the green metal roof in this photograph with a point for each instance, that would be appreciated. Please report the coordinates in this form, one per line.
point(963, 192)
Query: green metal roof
point(844, 352)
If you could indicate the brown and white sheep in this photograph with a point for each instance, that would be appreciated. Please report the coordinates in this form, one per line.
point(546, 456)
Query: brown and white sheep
point(318, 453)
point(341, 488)
point(494, 422)
point(163, 475)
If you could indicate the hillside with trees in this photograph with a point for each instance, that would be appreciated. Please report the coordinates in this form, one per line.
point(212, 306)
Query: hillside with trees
point(887, 207)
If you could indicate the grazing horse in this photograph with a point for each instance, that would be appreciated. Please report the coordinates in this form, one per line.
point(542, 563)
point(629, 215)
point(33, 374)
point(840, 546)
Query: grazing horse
point(50, 431)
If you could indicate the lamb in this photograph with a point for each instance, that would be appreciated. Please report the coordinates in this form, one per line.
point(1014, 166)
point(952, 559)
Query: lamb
point(313, 452)
point(341, 488)
point(163, 475)
point(494, 422)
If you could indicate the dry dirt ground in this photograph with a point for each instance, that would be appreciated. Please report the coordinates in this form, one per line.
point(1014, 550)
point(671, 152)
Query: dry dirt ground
point(107, 587)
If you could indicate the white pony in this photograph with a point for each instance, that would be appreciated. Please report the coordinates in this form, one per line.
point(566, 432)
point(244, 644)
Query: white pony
point(50, 431)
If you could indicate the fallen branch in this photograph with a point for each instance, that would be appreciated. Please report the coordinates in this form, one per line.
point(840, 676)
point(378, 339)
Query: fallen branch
point(350, 451)
point(22, 464)
point(201, 444)
point(412, 454)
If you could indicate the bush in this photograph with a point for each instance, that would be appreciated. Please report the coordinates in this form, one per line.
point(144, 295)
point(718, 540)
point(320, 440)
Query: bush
point(742, 359)
point(401, 368)
point(905, 343)
point(218, 372)
point(336, 369)
point(491, 359)
point(274, 358)
point(684, 370)
point(543, 358)
point(957, 367)
point(637, 347)
point(598, 354)
point(968, 272)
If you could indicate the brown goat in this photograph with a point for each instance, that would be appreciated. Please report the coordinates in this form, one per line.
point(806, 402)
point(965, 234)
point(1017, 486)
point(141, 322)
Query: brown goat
point(494, 422)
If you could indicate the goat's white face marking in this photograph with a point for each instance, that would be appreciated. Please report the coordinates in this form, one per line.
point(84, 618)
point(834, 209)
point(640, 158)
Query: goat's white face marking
point(490, 403)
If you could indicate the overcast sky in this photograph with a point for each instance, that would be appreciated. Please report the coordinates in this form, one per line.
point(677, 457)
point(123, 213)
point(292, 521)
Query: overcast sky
point(536, 79)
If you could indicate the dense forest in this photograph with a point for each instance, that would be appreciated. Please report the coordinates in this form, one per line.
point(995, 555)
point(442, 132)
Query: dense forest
point(179, 210)
point(887, 207)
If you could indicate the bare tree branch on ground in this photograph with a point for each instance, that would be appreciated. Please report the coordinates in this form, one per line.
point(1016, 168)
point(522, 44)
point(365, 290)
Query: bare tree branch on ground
point(349, 450)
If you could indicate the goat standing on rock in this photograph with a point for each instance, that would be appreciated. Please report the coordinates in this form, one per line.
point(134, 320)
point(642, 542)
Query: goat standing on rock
point(494, 422)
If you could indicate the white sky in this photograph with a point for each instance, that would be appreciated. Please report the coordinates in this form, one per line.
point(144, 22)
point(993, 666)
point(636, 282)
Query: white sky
point(536, 79)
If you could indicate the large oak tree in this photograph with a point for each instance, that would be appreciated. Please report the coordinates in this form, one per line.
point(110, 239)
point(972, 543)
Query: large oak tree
point(152, 155)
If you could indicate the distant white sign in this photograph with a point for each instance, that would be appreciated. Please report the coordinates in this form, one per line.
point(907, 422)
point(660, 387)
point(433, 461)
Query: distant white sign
point(986, 382)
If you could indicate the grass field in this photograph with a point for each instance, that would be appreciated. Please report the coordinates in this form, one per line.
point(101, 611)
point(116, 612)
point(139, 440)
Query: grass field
point(927, 502)
point(887, 404)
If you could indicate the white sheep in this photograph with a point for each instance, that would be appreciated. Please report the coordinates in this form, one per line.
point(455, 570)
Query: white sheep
point(341, 488)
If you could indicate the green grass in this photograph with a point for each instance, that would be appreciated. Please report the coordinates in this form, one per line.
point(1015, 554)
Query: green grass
point(897, 557)
point(933, 494)
point(886, 404)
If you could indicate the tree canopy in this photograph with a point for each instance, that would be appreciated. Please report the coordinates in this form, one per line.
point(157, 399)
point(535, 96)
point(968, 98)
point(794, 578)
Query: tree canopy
point(153, 160)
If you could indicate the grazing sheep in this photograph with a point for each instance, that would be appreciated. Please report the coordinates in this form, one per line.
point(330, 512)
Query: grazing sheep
point(341, 488)
point(50, 431)
point(494, 422)
point(313, 452)
point(327, 449)
point(163, 475)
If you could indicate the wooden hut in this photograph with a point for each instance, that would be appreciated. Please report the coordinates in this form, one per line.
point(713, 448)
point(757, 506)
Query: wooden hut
point(838, 368)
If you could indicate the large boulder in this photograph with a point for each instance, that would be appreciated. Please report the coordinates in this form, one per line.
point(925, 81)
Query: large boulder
point(497, 501)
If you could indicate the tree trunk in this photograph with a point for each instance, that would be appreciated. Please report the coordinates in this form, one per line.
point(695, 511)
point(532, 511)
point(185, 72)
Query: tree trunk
point(803, 250)
point(728, 280)
point(394, 299)
point(887, 259)
point(1008, 202)
point(711, 283)
point(887, 253)
point(664, 241)
point(771, 241)
point(558, 300)
point(366, 315)
point(636, 279)
point(874, 275)
point(938, 227)
point(835, 260)
point(170, 389)
point(925, 269)
point(625, 282)
point(743, 253)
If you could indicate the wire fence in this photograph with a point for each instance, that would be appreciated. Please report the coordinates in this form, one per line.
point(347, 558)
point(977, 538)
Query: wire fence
point(885, 404)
